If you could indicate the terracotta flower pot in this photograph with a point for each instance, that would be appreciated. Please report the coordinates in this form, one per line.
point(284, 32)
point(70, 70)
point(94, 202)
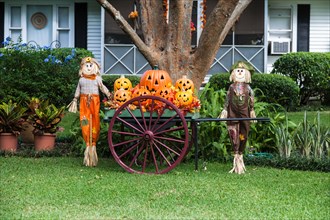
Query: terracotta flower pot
point(27, 135)
point(8, 142)
point(45, 142)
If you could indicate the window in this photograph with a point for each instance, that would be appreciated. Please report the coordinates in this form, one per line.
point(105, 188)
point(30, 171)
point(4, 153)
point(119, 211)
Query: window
point(63, 28)
point(113, 33)
point(15, 28)
point(280, 23)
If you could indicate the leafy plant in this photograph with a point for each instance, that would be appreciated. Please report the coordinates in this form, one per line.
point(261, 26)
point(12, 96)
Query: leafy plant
point(39, 70)
point(310, 71)
point(46, 118)
point(268, 88)
point(321, 140)
point(11, 117)
point(304, 137)
point(283, 139)
point(213, 136)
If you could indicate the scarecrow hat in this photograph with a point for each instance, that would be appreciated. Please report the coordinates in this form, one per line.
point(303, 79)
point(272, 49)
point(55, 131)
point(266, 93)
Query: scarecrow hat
point(243, 65)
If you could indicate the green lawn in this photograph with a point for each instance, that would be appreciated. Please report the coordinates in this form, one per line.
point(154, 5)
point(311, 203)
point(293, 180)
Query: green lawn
point(61, 188)
point(298, 117)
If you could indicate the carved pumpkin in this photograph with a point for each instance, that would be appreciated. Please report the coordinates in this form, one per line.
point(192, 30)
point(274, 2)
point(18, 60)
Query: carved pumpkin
point(122, 82)
point(121, 96)
point(166, 93)
point(184, 84)
point(184, 98)
point(155, 79)
point(140, 91)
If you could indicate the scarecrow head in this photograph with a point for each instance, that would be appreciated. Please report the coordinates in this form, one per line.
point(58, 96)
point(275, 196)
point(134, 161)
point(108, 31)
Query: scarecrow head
point(241, 72)
point(89, 66)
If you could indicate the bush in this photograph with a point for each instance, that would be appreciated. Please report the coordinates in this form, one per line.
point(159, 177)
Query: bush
point(269, 88)
point(311, 72)
point(43, 72)
point(292, 163)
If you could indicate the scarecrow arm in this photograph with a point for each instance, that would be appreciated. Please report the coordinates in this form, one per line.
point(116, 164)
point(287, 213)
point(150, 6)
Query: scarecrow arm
point(224, 113)
point(103, 88)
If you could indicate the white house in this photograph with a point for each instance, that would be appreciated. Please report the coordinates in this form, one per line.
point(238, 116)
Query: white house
point(266, 30)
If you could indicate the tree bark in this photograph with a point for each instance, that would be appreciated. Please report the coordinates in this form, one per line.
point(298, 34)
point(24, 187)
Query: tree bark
point(167, 42)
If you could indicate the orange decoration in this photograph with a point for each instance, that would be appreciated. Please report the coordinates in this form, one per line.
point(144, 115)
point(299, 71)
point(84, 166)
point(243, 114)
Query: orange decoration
point(203, 17)
point(184, 98)
point(155, 79)
point(122, 82)
point(184, 84)
point(121, 96)
point(140, 91)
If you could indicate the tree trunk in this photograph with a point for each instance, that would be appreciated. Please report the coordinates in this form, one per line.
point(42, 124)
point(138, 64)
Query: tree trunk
point(167, 42)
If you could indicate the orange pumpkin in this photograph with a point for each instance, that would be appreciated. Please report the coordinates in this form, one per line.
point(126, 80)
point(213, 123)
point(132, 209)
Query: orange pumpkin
point(140, 91)
point(121, 96)
point(122, 82)
point(184, 84)
point(166, 93)
point(184, 98)
point(155, 79)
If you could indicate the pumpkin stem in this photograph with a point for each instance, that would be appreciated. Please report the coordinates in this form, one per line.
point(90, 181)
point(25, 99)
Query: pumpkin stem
point(155, 67)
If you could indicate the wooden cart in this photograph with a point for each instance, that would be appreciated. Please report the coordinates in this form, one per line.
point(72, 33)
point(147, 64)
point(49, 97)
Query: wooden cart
point(153, 141)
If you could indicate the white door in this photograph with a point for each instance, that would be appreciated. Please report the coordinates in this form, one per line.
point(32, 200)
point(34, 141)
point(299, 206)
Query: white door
point(40, 24)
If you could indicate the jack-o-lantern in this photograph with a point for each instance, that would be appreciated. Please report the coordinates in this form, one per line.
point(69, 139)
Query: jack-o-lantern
point(122, 82)
point(184, 84)
point(155, 79)
point(184, 98)
point(166, 93)
point(140, 91)
point(121, 96)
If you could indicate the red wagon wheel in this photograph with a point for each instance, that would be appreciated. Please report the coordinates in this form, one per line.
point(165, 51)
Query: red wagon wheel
point(152, 141)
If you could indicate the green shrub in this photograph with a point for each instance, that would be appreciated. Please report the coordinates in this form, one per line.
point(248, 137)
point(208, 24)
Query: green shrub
point(43, 72)
point(311, 72)
point(292, 163)
point(268, 88)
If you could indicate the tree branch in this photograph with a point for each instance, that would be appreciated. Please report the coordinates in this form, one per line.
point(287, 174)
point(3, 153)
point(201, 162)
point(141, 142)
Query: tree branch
point(219, 23)
point(150, 55)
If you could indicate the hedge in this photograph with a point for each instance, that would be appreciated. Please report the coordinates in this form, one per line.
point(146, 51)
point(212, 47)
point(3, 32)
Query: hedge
point(311, 72)
point(270, 88)
point(45, 73)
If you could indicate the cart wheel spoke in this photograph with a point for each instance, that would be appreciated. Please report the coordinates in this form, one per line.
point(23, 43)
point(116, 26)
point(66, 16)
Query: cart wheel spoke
point(129, 124)
point(154, 141)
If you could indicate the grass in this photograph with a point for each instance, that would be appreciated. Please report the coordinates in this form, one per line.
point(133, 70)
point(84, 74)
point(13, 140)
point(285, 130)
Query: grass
point(298, 117)
point(61, 188)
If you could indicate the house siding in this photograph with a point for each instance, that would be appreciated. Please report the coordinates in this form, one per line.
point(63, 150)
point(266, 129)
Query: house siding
point(319, 22)
point(320, 26)
point(94, 32)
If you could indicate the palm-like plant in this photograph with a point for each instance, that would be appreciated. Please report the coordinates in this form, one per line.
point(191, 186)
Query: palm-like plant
point(46, 118)
point(12, 117)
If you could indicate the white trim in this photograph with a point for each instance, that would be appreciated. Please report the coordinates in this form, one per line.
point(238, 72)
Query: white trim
point(24, 4)
point(265, 35)
point(102, 38)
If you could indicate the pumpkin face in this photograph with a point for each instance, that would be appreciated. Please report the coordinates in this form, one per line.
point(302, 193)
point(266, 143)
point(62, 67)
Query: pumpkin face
point(122, 82)
point(165, 93)
point(121, 96)
point(155, 79)
point(140, 92)
point(184, 98)
point(184, 84)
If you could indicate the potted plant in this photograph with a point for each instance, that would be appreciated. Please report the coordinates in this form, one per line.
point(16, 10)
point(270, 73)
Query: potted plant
point(27, 135)
point(45, 120)
point(11, 124)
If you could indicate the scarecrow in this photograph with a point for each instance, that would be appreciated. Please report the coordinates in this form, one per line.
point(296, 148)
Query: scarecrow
point(239, 104)
point(87, 91)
